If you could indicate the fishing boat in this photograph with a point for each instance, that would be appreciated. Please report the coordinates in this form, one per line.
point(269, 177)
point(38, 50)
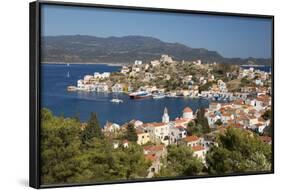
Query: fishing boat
point(140, 95)
point(115, 100)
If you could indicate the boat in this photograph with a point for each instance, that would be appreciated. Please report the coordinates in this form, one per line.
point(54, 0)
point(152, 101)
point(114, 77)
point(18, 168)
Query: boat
point(171, 95)
point(140, 95)
point(115, 100)
point(159, 96)
point(71, 88)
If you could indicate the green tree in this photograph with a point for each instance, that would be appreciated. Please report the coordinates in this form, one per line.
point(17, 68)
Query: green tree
point(194, 129)
point(202, 120)
point(131, 134)
point(65, 159)
point(92, 129)
point(238, 150)
point(245, 82)
point(180, 162)
point(60, 150)
point(205, 86)
point(113, 164)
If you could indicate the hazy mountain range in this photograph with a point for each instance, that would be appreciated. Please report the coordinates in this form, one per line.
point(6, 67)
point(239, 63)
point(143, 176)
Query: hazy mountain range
point(82, 48)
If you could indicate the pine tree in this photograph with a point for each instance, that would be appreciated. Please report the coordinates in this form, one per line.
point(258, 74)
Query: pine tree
point(131, 134)
point(202, 120)
point(93, 129)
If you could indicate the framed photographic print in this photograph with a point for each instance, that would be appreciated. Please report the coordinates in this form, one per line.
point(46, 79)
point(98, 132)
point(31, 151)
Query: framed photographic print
point(130, 94)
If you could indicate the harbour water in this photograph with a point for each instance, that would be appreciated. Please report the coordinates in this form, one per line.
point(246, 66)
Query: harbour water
point(54, 95)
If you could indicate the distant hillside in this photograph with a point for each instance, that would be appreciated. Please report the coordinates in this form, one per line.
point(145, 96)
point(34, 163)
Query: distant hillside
point(80, 48)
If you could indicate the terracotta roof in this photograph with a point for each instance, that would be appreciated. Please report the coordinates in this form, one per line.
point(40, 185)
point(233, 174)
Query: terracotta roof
point(150, 157)
point(140, 131)
point(154, 124)
point(191, 138)
point(187, 109)
point(179, 127)
point(182, 120)
point(153, 148)
point(197, 148)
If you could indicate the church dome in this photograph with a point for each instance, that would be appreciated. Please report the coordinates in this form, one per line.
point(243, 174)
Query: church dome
point(187, 109)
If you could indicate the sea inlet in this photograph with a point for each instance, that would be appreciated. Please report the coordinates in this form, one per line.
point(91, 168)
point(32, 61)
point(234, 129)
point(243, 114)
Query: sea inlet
point(54, 95)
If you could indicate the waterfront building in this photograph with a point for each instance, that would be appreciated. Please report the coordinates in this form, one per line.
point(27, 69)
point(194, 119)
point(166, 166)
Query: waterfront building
point(88, 78)
point(117, 87)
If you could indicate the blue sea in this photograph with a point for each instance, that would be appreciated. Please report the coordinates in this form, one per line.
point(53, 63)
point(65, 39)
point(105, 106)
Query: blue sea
point(54, 96)
point(264, 68)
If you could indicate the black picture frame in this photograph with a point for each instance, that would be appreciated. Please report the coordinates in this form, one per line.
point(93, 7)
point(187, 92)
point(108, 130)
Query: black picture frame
point(34, 98)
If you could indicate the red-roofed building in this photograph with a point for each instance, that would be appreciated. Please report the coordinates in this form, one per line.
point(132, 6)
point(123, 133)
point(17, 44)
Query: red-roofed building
point(192, 141)
point(154, 153)
point(143, 136)
point(158, 132)
point(182, 122)
point(199, 152)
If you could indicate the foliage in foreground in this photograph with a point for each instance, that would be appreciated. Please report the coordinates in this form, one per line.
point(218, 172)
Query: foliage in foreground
point(238, 151)
point(180, 162)
point(68, 158)
point(72, 155)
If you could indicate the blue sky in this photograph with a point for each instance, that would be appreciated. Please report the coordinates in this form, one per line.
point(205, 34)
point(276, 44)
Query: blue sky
point(229, 36)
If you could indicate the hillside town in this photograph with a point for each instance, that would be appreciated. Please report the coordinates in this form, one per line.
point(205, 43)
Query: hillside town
point(156, 136)
point(166, 78)
point(239, 97)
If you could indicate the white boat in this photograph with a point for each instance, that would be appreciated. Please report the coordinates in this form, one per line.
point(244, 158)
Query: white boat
point(115, 100)
point(171, 95)
point(159, 96)
point(140, 95)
